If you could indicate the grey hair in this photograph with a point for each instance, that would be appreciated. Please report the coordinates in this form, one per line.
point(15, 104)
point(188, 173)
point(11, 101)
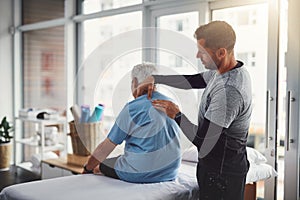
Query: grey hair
point(142, 71)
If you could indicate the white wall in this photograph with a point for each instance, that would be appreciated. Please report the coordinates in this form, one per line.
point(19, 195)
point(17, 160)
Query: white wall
point(6, 68)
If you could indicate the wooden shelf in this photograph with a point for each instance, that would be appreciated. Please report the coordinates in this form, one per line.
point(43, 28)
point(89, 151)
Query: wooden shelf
point(62, 163)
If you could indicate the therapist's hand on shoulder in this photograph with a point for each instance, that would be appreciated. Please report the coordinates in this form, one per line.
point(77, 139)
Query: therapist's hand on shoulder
point(147, 86)
point(168, 107)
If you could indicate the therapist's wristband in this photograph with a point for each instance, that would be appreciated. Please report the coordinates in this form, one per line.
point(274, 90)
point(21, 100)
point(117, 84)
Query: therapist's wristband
point(178, 118)
point(88, 171)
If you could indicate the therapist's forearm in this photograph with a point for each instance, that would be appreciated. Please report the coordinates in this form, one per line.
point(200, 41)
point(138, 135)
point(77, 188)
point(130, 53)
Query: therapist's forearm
point(188, 128)
point(195, 81)
point(197, 134)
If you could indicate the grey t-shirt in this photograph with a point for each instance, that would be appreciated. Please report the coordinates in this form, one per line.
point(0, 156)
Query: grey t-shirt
point(226, 101)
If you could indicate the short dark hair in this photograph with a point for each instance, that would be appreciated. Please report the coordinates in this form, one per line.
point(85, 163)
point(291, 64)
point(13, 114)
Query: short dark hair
point(217, 34)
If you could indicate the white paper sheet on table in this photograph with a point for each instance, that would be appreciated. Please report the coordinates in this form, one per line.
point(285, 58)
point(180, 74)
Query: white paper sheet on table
point(88, 186)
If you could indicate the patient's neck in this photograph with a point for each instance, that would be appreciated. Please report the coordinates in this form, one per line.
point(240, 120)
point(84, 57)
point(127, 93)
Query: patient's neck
point(142, 93)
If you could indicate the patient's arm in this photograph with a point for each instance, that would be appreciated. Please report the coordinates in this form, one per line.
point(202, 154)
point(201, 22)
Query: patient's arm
point(100, 153)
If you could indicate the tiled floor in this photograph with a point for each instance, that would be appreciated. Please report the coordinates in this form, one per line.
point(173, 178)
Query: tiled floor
point(16, 175)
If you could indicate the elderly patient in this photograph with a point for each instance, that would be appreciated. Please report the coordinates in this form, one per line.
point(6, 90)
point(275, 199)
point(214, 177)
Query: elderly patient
point(152, 149)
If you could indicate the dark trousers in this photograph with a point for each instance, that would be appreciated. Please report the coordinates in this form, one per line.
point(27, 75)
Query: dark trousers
point(214, 186)
point(107, 167)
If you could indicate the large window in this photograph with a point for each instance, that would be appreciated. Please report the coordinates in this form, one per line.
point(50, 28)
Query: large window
point(44, 81)
point(100, 30)
point(37, 10)
point(183, 23)
point(176, 54)
point(108, 60)
point(44, 69)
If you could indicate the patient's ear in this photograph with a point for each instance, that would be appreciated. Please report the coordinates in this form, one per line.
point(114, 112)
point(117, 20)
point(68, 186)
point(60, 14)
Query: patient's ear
point(134, 85)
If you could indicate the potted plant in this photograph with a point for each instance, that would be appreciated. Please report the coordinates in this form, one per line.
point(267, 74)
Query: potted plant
point(5, 144)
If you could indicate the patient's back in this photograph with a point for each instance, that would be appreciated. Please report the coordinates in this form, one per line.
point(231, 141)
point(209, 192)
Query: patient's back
point(152, 149)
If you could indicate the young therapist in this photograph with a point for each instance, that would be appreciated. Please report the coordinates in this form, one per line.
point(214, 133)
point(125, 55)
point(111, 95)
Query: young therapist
point(224, 113)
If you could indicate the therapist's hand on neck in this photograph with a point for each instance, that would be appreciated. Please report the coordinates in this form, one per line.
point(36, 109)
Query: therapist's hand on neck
point(146, 87)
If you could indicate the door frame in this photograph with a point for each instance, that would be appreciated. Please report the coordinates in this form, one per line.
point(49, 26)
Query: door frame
point(291, 159)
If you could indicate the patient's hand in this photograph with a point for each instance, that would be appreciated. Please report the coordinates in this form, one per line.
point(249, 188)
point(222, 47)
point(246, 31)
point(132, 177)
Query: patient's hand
point(97, 170)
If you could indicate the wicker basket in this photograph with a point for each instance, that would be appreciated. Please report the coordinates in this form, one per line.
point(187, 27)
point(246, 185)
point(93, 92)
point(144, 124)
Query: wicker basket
point(85, 137)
